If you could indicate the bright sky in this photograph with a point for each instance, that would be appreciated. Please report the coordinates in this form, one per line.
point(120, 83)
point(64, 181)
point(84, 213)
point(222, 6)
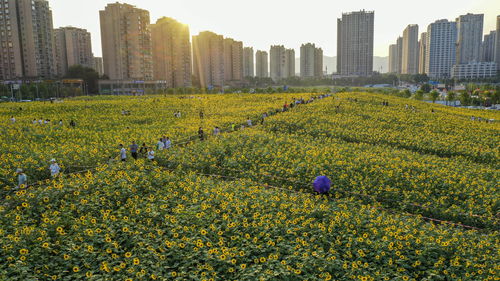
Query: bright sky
point(262, 23)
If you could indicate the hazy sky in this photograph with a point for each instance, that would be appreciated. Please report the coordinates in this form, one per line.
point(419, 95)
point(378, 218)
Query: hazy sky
point(261, 23)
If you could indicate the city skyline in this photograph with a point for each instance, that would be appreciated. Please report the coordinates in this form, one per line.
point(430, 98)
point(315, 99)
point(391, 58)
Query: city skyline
point(292, 33)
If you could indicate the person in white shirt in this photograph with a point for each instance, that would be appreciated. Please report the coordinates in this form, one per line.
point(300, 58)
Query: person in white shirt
point(168, 143)
point(216, 131)
point(160, 145)
point(249, 122)
point(12, 119)
point(123, 153)
point(34, 121)
point(54, 168)
point(22, 179)
point(151, 154)
point(40, 121)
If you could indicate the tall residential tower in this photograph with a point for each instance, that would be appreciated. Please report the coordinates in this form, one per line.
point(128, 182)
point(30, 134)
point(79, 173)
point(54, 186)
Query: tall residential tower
point(233, 60)
point(355, 43)
point(261, 64)
point(282, 62)
point(441, 49)
point(126, 42)
point(311, 61)
point(171, 52)
point(469, 38)
point(26, 40)
point(208, 59)
point(73, 46)
point(248, 65)
point(409, 59)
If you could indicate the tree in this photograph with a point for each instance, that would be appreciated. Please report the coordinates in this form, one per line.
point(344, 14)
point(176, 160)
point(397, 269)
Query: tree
point(451, 96)
point(434, 95)
point(89, 76)
point(495, 98)
point(419, 95)
point(406, 93)
point(465, 99)
point(426, 88)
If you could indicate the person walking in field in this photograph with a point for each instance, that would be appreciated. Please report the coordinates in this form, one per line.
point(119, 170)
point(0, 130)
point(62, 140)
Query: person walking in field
point(216, 131)
point(54, 168)
point(143, 151)
point(151, 155)
point(22, 179)
point(123, 153)
point(249, 122)
point(12, 119)
point(133, 150)
point(160, 145)
point(201, 134)
point(168, 143)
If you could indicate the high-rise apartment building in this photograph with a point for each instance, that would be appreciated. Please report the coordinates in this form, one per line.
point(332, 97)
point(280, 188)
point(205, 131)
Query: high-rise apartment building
point(307, 60)
point(98, 66)
point(26, 38)
point(355, 43)
point(497, 44)
point(233, 60)
point(410, 54)
point(441, 48)
point(422, 49)
point(248, 65)
point(289, 63)
point(399, 44)
point(318, 64)
point(171, 52)
point(469, 38)
point(73, 46)
point(393, 58)
point(488, 47)
point(282, 62)
point(126, 42)
point(261, 64)
point(45, 44)
point(311, 61)
point(208, 59)
point(11, 60)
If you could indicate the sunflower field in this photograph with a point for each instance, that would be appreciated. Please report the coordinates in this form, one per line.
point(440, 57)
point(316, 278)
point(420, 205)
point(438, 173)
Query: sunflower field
point(101, 127)
point(414, 190)
point(435, 163)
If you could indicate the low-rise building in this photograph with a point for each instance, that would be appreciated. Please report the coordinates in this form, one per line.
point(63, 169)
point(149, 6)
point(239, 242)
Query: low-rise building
point(474, 70)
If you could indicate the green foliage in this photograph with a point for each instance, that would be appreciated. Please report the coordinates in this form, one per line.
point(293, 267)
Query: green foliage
point(465, 99)
point(434, 95)
point(89, 76)
point(419, 95)
point(426, 88)
point(451, 96)
point(406, 93)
